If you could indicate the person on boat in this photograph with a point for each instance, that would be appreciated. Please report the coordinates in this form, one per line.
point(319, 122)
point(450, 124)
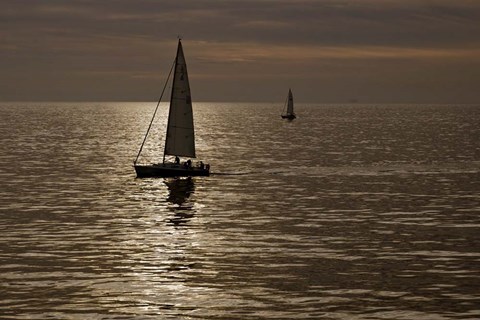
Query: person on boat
point(201, 165)
point(189, 164)
point(177, 160)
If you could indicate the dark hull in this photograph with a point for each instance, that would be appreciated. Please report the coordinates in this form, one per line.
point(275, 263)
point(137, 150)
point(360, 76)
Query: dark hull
point(288, 116)
point(168, 170)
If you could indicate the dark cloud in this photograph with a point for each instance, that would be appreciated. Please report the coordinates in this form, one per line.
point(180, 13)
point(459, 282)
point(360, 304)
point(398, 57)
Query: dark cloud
point(329, 50)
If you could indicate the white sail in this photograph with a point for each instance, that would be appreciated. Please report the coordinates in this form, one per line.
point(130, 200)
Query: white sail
point(290, 102)
point(180, 140)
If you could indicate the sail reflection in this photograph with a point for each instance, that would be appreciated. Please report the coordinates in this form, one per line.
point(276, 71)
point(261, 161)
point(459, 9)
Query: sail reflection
point(179, 192)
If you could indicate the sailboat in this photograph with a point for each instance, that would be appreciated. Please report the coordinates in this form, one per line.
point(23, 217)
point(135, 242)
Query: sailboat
point(289, 114)
point(180, 137)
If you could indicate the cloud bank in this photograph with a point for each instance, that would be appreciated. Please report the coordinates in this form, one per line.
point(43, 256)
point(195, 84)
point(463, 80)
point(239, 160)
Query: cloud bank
point(328, 51)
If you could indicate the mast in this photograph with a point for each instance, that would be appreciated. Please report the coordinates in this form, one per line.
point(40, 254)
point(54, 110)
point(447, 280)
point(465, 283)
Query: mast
point(180, 138)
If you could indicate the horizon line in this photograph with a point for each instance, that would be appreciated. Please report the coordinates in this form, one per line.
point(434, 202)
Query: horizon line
point(247, 101)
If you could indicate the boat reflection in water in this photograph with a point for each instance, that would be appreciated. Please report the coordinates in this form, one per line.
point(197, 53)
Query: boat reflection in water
point(179, 192)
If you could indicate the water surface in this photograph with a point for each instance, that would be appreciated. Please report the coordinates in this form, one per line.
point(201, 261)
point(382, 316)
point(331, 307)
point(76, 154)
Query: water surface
point(347, 212)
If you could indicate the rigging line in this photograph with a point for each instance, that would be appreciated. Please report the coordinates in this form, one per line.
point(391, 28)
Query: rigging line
point(285, 105)
point(154, 113)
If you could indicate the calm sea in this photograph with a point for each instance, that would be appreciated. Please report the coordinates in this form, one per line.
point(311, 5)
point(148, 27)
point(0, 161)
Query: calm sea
point(348, 212)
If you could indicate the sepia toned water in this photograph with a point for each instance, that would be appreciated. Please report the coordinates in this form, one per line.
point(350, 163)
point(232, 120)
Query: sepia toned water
point(348, 212)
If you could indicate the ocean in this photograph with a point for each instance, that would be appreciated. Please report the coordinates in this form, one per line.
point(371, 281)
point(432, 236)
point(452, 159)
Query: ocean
point(350, 211)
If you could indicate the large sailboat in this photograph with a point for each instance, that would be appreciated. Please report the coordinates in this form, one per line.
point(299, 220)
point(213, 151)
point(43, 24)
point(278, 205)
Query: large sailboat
point(180, 137)
point(289, 114)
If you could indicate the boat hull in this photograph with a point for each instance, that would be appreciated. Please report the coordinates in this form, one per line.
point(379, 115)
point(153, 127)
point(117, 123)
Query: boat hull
point(163, 170)
point(288, 116)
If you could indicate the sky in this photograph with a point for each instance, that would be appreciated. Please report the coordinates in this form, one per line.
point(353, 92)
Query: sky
point(327, 51)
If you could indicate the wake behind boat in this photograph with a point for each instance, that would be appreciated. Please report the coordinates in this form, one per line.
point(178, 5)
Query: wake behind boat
point(289, 103)
point(180, 138)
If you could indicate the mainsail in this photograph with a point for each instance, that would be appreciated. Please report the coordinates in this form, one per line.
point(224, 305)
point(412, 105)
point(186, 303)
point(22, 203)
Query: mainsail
point(290, 102)
point(180, 140)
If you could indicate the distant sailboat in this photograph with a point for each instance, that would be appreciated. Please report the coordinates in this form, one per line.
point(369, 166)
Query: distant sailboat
point(289, 114)
point(180, 138)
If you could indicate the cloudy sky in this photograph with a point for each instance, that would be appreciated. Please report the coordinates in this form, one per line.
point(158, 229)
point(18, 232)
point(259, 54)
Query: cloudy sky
point(327, 51)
